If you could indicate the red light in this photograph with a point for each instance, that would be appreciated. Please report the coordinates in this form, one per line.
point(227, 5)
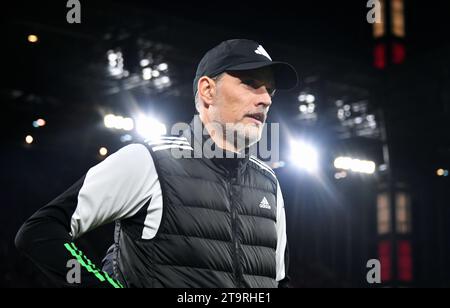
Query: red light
point(380, 56)
point(404, 261)
point(384, 253)
point(398, 53)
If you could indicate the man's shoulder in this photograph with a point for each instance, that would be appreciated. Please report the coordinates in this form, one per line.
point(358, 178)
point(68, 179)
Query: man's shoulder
point(129, 154)
point(167, 142)
point(262, 167)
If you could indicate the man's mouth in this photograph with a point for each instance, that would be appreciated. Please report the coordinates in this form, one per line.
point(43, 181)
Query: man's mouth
point(259, 117)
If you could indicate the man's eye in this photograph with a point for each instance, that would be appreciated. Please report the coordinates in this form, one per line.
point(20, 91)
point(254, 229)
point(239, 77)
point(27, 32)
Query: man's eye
point(250, 82)
point(255, 85)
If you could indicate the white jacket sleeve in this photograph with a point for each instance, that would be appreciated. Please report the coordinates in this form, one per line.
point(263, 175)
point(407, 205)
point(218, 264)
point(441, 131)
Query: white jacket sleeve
point(117, 188)
point(281, 237)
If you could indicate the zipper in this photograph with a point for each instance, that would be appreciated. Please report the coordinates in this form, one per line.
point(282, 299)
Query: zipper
point(234, 235)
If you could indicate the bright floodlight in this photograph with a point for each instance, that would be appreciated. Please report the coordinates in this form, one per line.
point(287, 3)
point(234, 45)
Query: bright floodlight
point(32, 38)
point(355, 165)
point(29, 139)
point(118, 123)
point(145, 62)
point(112, 57)
point(163, 67)
point(150, 128)
point(304, 156)
point(147, 73)
point(127, 124)
point(103, 151)
point(110, 121)
point(41, 122)
point(165, 80)
point(310, 98)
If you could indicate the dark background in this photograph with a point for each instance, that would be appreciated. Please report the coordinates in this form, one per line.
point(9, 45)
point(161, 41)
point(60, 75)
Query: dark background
point(332, 224)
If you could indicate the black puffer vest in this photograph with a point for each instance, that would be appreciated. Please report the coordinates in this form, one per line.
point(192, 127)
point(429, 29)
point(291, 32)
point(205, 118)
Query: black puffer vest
point(218, 228)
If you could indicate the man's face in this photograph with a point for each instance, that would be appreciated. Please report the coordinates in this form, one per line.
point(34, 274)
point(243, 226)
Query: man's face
point(242, 102)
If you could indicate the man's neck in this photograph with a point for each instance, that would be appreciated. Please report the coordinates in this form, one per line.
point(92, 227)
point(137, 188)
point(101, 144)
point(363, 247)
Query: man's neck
point(219, 138)
point(221, 141)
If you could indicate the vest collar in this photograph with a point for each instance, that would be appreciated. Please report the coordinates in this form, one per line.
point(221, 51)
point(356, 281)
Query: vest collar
point(198, 136)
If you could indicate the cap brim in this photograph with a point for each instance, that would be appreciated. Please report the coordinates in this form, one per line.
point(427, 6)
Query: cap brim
point(285, 74)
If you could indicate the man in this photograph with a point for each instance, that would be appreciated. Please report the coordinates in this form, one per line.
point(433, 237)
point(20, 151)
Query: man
point(189, 220)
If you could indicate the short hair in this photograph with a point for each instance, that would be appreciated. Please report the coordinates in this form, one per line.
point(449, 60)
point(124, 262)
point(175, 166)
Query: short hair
point(197, 98)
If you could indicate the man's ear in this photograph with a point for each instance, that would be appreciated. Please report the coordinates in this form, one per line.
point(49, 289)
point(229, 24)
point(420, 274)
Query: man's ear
point(206, 90)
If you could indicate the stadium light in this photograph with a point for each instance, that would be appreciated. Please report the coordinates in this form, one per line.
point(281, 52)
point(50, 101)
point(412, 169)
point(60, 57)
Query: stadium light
point(150, 128)
point(442, 172)
point(32, 38)
point(118, 122)
point(355, 165)
point(147, 73)
point(144, 62)
point(29, 139)
point(109, 120)
point(163, 67)
point(39, 123)
point(304, 156)
point(103, 151)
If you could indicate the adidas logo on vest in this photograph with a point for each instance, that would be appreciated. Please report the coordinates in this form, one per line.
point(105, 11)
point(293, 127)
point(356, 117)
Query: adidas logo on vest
point(265, 204)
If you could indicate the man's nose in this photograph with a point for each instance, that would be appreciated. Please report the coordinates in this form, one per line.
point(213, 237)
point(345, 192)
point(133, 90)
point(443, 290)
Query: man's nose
point(264, 98)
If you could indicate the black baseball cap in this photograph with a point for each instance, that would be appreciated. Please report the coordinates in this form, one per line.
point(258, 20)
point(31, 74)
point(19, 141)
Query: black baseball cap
point(242, 55)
